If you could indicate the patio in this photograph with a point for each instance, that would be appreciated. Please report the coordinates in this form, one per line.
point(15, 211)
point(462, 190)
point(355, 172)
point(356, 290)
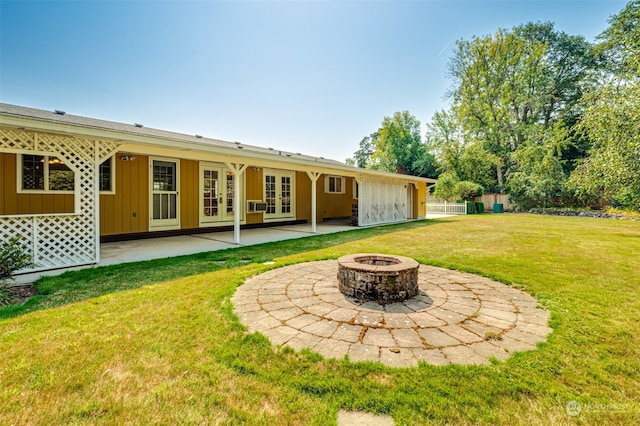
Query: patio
point(156, 248)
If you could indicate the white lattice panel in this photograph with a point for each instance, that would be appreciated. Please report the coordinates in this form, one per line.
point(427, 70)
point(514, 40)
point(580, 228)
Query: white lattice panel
point(60, 240)
point(381, 201)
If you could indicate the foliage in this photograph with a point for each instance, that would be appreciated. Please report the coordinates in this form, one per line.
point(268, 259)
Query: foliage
point(396, 147)
point(612, 121)
point(512, 87)
point(468, 161)
point(620, 42)
point(537, 178)
point(13, 257)
point(468, 190)
point(445, 187)
point(362, 156)
point(612, 118)
point(172, 351)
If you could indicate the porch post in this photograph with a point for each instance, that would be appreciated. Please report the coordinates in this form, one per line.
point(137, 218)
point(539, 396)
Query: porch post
point(237, 170)
point(96, 194)
point(314, 178)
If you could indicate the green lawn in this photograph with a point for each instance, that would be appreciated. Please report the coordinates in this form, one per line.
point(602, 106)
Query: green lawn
point(157, 342)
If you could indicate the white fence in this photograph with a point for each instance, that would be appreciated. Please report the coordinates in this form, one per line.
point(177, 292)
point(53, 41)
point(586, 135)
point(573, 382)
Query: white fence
point(446, 208)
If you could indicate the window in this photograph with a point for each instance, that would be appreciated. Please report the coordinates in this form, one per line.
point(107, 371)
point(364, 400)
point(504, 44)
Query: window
point(334, 185)
point(106, 175)
point(48, 173)
point(45, 173)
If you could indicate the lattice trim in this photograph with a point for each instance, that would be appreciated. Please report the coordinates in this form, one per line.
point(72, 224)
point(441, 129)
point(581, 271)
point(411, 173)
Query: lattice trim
point(60, 241)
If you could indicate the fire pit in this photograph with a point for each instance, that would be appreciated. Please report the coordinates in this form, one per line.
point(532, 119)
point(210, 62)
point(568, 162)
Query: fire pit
point(380, 278)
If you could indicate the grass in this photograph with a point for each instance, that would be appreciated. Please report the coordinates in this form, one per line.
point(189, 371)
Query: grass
point(157, 342)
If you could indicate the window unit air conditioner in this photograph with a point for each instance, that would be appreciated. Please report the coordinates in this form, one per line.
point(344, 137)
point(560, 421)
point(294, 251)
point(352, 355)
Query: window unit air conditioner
point(256, 206)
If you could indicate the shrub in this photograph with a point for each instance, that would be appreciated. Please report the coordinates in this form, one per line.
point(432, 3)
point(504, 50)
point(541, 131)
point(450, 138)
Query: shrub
point(13, 257)
point(470, 207)
point(479, 205)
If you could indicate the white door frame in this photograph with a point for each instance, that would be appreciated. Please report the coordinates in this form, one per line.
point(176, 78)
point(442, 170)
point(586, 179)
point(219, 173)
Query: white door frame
point(169, 223)
point(224, 202)
point(279, 215)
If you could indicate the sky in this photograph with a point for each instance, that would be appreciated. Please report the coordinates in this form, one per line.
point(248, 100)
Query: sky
point(303, 76)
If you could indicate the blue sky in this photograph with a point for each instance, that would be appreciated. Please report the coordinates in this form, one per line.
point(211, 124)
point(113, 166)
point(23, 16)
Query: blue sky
point(302, 76)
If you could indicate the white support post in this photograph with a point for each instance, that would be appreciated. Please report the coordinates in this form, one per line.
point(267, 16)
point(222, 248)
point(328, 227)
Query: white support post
point(96, 201)
point(314, 176)
point(237, 170)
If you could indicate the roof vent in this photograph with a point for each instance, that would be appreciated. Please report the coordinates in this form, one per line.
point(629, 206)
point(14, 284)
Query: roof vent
point(240, 147)
point(138, 125)
point(297, 153)
point(237, 143)
point(270, 149)
point(199, 136)
point(57, 111)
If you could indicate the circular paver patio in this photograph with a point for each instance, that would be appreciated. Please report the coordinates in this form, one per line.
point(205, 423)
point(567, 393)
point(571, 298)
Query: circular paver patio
point(456, 318)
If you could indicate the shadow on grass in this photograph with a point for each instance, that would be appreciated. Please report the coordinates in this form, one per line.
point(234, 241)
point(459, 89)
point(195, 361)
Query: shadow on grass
point(75, 286)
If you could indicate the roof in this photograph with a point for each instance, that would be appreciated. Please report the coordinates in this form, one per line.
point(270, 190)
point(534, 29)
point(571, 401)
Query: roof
point(123, 129)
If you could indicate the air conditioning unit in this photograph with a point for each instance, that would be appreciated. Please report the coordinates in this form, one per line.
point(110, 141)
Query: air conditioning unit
point(255, 206)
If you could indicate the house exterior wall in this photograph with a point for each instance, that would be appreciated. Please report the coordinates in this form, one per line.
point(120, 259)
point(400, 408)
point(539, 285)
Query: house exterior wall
point(189, 194)
point(127, 210)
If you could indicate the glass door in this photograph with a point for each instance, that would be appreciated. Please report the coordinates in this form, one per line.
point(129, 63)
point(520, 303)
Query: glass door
point(216, 189)
point(164, 194)
point(279, 194)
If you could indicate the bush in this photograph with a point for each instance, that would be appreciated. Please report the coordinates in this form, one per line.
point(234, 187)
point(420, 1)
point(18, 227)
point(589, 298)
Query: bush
point(470, 207)
point(13, 257)
point(479, 205)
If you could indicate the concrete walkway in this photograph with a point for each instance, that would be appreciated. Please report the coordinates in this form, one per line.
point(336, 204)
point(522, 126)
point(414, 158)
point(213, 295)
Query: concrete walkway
point(157, 248)
point(457, 318)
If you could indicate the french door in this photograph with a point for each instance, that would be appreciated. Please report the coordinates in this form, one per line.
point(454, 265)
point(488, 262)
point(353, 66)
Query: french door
point(165, 197)
point(216, 189)
point(279, 194)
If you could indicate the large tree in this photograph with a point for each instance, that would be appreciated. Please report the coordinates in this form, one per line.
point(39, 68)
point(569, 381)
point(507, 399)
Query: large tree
point(612, 117)
point(512, 87)
point(396, 147)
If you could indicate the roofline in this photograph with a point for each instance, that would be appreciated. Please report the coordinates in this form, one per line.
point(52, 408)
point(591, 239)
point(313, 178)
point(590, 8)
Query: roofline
point(32, 123)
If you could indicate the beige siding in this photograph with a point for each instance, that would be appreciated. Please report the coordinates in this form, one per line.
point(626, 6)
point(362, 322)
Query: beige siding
point(127, 211)
point(189, 193)
point(255, 191)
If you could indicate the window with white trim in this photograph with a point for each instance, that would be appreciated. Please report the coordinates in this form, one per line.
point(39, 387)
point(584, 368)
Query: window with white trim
point(44, 173)
point(107, 175)
point(334, 185)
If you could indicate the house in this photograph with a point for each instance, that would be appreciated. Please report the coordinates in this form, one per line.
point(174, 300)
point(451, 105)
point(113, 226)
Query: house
point(68, 182)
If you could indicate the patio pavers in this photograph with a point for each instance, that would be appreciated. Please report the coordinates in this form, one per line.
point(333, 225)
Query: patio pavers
point(457, 318)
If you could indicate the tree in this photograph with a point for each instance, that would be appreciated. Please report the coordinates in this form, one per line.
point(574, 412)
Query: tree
point(468, 161)
point(612, 121)
point(612, 117)
point(537, 177)
point(511, 87)
point(396, 147)
point(362, 157)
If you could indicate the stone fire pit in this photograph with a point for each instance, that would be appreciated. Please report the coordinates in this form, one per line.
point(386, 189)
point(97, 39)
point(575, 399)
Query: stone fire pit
point(380, 278)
